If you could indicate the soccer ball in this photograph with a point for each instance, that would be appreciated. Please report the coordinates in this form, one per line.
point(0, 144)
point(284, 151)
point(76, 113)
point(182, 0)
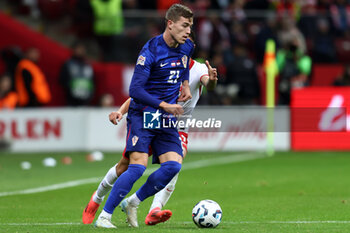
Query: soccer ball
point(207, 214)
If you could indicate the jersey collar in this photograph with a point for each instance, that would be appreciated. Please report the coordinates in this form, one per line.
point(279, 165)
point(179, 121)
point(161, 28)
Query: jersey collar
point(191, 63)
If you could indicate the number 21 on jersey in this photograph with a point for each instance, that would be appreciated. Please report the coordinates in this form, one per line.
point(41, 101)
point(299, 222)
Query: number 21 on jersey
point(174, 75)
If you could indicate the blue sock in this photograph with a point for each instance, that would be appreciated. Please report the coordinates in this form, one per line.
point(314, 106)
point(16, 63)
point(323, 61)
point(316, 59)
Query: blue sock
point(123, 186)
point(158, 179)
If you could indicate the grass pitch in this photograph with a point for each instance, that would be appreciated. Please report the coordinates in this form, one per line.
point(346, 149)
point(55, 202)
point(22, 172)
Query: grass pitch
point(289, 192)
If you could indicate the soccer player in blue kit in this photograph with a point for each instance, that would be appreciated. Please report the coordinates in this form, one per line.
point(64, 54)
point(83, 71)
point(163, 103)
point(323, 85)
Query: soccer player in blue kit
point(162, 65)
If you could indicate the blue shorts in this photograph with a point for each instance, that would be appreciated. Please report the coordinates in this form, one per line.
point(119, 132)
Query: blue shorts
point(160, 140)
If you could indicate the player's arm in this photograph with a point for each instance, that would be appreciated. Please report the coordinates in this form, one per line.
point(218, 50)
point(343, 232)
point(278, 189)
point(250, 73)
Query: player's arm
point(139, 79)
point(117, 116)
point(138, 82)
point(175, 109)
point(185, 92)
point(138, 93)
point(210, 81)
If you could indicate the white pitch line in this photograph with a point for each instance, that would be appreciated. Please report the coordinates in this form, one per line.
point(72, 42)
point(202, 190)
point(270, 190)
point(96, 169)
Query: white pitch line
point(186, 166)
point(281, 222)
point(41, 224)
point(222, 160)
point(188, 222)
point(52, 187)
point(309, 222)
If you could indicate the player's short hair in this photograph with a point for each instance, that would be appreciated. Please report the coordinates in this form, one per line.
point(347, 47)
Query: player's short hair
point(176, 11)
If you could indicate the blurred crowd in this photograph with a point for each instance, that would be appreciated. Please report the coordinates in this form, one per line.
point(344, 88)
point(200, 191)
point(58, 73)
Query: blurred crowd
point(231, 34)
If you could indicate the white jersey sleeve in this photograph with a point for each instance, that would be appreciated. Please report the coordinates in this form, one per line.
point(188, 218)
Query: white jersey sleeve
point(197, 72)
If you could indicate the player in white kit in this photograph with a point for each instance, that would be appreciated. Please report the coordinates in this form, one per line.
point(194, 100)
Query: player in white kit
point(200, 75)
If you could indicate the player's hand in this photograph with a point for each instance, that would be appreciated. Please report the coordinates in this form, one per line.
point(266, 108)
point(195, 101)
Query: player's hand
point(185, 92)
point(115, 117)
point(212, 72)
point(175, 109)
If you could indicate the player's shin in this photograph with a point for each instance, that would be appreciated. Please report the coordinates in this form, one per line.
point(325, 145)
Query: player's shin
point(158, 179)
point(123, 186)
point(162, 197)
point(106, 185)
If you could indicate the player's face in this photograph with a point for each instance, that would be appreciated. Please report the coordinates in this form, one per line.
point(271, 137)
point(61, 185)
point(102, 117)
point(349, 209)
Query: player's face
point(181, 29)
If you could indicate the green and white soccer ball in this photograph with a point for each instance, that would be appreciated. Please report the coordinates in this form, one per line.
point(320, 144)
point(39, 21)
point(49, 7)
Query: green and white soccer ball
point(207, 214)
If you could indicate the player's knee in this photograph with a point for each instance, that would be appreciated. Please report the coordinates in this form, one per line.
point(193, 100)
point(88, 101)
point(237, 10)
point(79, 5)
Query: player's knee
point(171, 167)
point(136, 170)
point(121, 168)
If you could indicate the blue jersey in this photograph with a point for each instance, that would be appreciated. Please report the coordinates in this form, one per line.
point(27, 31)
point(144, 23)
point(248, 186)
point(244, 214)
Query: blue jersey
point(158, 73)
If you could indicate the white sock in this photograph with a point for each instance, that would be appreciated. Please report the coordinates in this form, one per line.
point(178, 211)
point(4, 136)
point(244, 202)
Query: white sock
point(162, 197)
point(134, 200)
point(104, 214)
point(105, 185)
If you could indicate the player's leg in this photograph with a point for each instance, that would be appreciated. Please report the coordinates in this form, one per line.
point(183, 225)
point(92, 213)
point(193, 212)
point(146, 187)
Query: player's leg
point(98, 195)
point(103, 188)
point(155, 182)
point(168, 149)
point(123, 185)
point(155, 215)
point(137, 146)
point(110, 178)
point(161, 198)
point(122, 166)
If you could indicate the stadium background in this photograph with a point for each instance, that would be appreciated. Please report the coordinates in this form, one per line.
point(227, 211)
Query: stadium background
point(302, 188)
point(222, 28)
